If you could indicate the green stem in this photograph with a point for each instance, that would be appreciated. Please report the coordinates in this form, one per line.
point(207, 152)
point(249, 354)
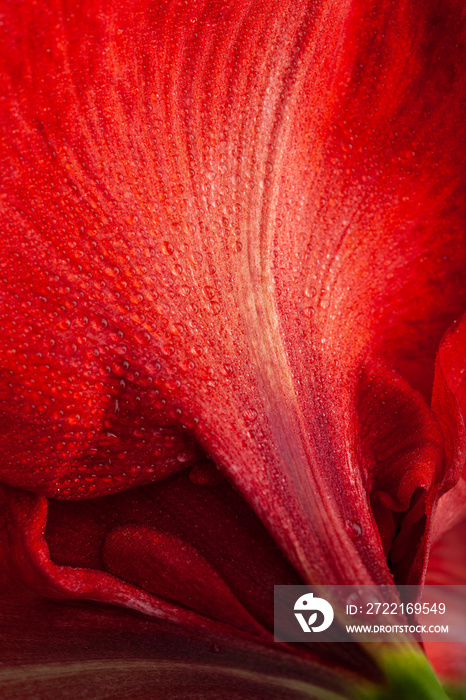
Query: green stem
point(409, 676)
point(456, 692)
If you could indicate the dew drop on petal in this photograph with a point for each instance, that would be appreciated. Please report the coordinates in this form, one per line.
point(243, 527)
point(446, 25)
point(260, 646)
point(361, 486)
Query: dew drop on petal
point(209, 292)
point(310, 292)
point(309, 311)
point(250, 416)
point(353, 528)
point(167, 248)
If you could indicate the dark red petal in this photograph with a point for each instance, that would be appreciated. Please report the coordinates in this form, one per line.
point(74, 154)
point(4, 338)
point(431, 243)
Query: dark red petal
point(447, 563)
point(98, 550)
point(213, 521)
point(449, 402)
point(447, 567)
point(73, 560)
point(50, 650)
point(404, 449)
point(30, 560)
point(172, 569)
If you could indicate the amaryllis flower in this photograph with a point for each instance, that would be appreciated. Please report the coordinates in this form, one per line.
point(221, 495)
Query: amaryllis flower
point(232, 355)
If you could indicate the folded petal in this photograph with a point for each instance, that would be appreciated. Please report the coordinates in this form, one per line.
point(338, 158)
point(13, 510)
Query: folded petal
point(157, 540)
point(220, 583)
point(449, 402)
point(405, 466)
point(447, 568)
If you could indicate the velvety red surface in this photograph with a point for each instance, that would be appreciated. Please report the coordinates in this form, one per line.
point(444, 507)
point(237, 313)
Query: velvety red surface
point(447, 569)
point(232, 242)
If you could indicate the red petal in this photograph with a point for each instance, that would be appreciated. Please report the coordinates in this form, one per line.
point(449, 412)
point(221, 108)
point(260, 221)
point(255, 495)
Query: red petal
point(75, 556)
point(85, 543)
point(172, 569)
point(50, 650)
point(447, 564)
point(449, 402)
point(447, 567)
point(222, 220)
point(404, 448)
point(213, 521)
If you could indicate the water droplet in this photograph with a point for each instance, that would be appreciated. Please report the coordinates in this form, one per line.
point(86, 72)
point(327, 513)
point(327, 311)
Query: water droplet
point(353, 528)
point(183, 457)
point(249, 416)
point(167, 248)
point(238, 246)
point(215, 308)
point(310, 292)
point(209, 292)
point(187, 366)
point(309, 311)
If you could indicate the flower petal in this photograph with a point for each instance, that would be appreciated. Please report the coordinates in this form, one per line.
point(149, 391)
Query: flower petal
point(49, 649)
point(209, 201)
point(186, 540)
point(449, 402)
point(68, 562)
point(447, 567)
point(406, 463)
